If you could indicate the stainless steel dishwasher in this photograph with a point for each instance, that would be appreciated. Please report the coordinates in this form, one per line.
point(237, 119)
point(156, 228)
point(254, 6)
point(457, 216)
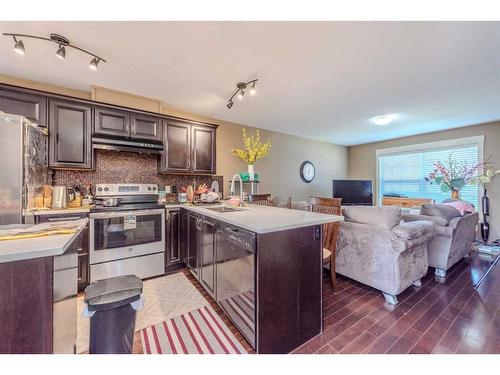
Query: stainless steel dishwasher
point(235, 259)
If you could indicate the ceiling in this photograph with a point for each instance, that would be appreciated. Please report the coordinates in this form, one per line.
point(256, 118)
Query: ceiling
point(320, 80)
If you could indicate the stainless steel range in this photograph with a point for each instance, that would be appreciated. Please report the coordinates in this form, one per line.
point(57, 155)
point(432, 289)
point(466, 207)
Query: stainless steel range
point(128, 238)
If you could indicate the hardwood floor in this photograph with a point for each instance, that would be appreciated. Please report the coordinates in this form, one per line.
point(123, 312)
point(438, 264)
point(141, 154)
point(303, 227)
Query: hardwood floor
point(439, 317)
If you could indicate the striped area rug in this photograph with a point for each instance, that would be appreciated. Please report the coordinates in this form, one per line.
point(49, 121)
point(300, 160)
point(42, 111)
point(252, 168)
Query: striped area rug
point(197, 332)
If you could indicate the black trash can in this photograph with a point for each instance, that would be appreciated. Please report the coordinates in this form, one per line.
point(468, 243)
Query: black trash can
point(112, 305)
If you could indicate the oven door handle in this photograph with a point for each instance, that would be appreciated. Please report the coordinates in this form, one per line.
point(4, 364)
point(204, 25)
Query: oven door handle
point(106, 215)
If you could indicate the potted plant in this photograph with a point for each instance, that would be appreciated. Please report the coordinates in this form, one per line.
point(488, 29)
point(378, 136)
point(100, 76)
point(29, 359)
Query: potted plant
point(254, 150)
point(452, 175)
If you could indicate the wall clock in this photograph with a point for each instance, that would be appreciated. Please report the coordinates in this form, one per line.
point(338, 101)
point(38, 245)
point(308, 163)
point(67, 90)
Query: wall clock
point(307, 171)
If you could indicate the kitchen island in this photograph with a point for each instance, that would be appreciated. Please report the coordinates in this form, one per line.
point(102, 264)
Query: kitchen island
point(263, 266)
point(39, 282)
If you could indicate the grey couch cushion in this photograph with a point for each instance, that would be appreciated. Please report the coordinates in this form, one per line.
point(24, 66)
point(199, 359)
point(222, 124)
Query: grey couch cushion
point(413, 229)
point(385, 217)
point(439, 221)
point(440, 210)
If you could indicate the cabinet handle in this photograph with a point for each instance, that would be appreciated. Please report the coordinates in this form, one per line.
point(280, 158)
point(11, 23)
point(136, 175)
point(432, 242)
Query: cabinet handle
point(66, 218)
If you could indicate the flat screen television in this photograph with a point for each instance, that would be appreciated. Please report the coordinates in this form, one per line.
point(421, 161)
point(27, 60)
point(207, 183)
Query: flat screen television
point(353, 192)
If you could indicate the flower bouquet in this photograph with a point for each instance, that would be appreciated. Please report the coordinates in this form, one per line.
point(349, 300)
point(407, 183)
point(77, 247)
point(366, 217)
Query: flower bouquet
point(453, 175)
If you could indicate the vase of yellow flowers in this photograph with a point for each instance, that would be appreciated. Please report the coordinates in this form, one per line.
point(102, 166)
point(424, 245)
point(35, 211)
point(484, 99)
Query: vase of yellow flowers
point(254, 150)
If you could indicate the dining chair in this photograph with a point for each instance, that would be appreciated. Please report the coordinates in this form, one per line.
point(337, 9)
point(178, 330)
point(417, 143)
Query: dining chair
point(260, 199)
point(331, 206)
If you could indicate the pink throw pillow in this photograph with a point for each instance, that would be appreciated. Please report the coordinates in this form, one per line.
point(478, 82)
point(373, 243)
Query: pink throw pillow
point(462, 206)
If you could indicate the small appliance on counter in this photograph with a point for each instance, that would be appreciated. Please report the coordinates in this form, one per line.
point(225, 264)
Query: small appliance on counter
point(61, 195)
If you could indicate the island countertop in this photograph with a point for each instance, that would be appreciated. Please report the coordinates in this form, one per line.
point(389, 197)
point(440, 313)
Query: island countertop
point(265, 219)
point(29, 248)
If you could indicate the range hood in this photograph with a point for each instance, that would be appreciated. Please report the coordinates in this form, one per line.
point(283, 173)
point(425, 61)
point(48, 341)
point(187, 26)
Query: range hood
point(141, 147)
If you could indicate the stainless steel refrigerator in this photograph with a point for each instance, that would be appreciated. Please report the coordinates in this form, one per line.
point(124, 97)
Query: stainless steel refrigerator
point(23, 166)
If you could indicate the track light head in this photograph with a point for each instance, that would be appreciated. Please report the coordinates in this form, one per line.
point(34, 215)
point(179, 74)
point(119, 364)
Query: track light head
point(229, 105)
point(253, 91)
point(19, 46)
point(241, 94)
point(61, 52)
point(93, 63)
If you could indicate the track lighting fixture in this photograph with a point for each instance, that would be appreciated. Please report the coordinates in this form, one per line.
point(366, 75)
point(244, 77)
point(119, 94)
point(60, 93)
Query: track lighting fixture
point(61, 52)
point(93, 63)
point(252, 90)
point(19, 46)
point(61, 42)
point(242, 86)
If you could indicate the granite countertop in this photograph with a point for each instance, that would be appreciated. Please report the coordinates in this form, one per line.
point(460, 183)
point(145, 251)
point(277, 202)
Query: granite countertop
point(266, 219)
point(30, 248)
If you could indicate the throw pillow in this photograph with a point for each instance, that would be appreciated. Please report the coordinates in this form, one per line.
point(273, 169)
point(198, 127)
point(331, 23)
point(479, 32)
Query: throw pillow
point(440, 210)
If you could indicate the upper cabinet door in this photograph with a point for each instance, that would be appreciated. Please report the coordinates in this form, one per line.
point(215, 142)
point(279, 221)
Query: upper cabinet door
point(203, 149)
point(111, 122)
point(176, 147)
point(31, 106)
point(145, 127)
point(70, 130)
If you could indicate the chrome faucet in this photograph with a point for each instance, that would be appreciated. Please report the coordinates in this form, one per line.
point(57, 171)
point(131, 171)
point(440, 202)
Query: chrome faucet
point(231, 191)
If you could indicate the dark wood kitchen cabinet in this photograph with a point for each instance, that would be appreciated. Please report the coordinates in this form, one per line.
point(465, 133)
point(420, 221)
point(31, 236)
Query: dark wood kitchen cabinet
point(111, 122)
point(145, 127)
point(70, 131)
point(24, 103)
point(201, 248)
point(174, 255)
point(188, 148)
point(283, 299)
point(203, 149)
point(193, 242)
point(176, 147)
point(207, 255)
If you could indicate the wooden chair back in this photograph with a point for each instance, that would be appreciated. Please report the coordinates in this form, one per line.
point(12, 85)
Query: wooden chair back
point(331, 206)
point(261, 199)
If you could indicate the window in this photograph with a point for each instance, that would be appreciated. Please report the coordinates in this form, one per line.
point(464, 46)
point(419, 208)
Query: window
point(402, 171)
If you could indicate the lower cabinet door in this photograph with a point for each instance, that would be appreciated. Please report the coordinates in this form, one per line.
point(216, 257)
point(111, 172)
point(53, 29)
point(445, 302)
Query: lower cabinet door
point(193, 243)
point(208, 257)
point(173, 245)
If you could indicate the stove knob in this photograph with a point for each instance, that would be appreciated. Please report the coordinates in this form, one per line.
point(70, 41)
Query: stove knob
point(154, 188)
point(106, 188)
point(149, 188)
point(99, 189)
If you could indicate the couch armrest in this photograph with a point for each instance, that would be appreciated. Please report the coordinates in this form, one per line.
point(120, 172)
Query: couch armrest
point(439, 221)
point(414, 229)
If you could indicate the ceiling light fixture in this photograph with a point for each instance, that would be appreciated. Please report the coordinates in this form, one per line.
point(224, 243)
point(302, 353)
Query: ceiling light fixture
point(241, 87)
point(62, 43)
point(19, 46)
point(384, 119)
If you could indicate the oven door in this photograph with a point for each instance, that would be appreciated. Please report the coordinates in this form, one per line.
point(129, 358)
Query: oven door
point(125, 234)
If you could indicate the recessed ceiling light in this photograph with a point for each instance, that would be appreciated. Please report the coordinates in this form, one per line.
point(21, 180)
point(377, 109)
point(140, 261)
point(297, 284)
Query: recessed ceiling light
point(384, 119)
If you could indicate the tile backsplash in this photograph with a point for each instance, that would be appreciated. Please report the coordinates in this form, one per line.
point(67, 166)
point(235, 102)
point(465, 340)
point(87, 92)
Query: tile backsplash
point(126, 167)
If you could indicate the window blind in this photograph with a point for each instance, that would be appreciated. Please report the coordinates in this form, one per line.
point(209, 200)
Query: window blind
point(404, 173)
